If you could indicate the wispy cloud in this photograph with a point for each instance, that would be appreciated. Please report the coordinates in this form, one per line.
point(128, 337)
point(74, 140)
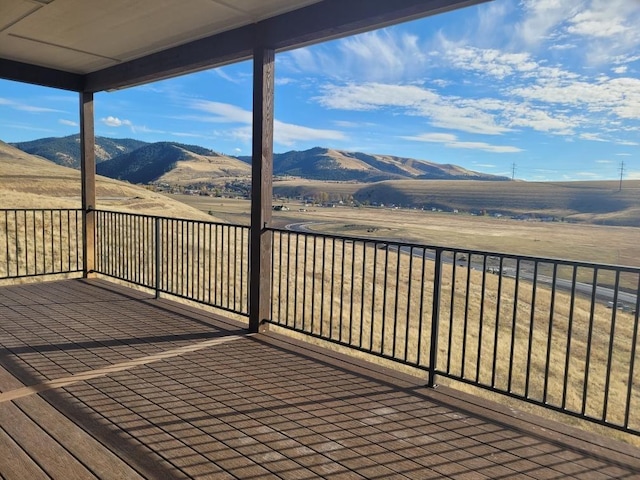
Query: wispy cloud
point(68, 123)
point(383, 55)
point(285, 80)
point(222, 74)
point(605, 28)
point(23, 107)
point(594, 137)
point(487, 116)
point(284, 133)
point(451, 141)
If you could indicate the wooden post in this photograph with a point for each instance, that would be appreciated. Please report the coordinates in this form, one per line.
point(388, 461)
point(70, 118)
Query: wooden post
point(261, 188)
point(88, 179)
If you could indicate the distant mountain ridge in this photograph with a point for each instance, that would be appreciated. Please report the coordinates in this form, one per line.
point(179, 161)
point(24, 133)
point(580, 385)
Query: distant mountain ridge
point(170, 162)
point(330, 164)
point(175, 163)
point(65, 151)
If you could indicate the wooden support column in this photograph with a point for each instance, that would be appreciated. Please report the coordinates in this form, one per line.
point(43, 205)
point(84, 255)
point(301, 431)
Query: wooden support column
point(261, 188)
point(88, 178)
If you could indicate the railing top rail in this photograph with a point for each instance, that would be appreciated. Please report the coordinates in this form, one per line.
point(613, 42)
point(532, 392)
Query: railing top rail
point(40, 209)
point(163, 217)
point(460, 250)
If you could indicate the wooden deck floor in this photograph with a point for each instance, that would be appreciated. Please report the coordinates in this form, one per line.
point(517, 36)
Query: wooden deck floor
point(98, 381)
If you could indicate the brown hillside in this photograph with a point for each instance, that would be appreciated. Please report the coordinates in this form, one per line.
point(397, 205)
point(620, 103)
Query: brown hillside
point(27, 181)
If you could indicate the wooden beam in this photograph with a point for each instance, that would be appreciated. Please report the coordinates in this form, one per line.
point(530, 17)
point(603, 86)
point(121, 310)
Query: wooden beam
point(88, 179)
point(34, 74)
point(261, 188)
point(331, 19)
point(325, 20)
point(228, 47)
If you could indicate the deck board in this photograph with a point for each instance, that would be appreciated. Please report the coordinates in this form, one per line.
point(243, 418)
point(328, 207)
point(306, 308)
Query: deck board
point(261, 406)
point(15, 463)
point(45, 451)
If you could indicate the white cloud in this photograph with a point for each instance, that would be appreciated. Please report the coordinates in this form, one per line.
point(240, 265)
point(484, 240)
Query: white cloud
point(487, 116)
point(485, 165)
point(501, 64)
point(604, 18)
point(451, 141)
point(491, 62)
point(68, 123)
point(382, 55)
point(542, 17)
point(620, 70)
point(223, 112)
point(284, 80)
point(604, 162)
point(593, 137)
point(115, 122)
point(563, 46)
point(284, 133)
point(618, 96)
point(186, 134)
point(23, 107)
point(222, 74)
point(288, 134)
point(444, 112)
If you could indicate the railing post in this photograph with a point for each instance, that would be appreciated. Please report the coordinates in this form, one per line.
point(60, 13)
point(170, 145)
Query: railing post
point(261, 189)
point(158, 255)
point(435, 318)
point(88, 180)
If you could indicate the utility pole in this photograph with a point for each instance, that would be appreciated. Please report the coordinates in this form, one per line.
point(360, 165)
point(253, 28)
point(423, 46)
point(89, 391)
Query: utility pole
point(621, 174)
point(513, 171)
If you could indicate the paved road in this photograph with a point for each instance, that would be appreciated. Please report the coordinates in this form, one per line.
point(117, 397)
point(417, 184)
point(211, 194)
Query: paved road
point(603, 294)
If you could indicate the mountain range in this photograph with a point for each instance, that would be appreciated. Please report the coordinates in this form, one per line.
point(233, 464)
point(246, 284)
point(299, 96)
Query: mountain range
point(175, 163)
point(65, 151)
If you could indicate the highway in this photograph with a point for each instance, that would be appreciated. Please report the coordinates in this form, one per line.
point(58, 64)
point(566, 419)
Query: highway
point(603, 294)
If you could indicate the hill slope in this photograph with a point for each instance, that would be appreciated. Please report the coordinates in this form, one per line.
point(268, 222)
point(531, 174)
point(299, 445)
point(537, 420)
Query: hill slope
point(340, 165)
point(553, 198)
point(66, 150)
point(27, 181)
point(174, 163)
point(591, 202)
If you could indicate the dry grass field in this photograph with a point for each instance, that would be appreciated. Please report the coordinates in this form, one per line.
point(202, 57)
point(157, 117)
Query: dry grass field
point(597, 202)
point(582, 242)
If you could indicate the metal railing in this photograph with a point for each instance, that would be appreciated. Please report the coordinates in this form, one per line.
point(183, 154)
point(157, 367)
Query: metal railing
point(206, 262)
point(559, 334)
point(555, 333)
point(38, 242)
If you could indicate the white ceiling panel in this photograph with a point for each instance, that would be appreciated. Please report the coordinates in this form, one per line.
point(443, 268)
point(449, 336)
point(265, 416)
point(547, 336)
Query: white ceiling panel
point(82, 36)
point(36, 53)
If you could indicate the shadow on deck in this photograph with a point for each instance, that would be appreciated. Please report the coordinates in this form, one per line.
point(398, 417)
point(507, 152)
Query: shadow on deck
point(102, 381)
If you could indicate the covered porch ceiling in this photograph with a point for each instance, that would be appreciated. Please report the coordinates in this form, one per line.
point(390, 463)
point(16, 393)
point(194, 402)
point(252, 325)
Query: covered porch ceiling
point(93, 45)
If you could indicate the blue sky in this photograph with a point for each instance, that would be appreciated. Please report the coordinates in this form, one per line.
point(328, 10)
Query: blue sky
point(550, 86)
